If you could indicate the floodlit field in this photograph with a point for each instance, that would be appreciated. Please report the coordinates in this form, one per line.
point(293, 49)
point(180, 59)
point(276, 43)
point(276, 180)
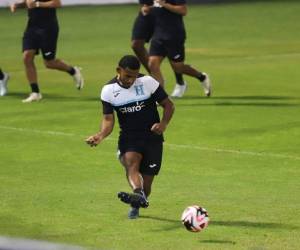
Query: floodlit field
point(236, 153)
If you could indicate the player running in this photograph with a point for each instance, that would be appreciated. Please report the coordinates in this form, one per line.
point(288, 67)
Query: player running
point(142, 32)
point(168, 41)
point(41, 34)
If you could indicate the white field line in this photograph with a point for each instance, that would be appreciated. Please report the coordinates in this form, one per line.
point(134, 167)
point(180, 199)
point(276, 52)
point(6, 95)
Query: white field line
point(174, 146)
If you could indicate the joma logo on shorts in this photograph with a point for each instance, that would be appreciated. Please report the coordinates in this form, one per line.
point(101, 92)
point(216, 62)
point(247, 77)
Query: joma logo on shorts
point(138, 107)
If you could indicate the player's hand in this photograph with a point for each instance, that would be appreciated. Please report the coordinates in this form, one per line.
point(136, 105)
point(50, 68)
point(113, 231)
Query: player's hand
point(13, 7)
point(93, 140)
point(30, 4)
point(161, 3)
point(145, 9)
point(159, 128)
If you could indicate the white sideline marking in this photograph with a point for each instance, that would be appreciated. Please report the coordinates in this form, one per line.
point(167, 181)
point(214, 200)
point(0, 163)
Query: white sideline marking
point(187, 146)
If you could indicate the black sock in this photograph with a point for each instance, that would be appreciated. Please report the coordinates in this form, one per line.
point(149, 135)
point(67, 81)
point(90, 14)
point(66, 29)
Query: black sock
point(71, 71)
point(35, 87)
point(1, 75)
point(179, 79)
point(139, 191)
point(201, 77)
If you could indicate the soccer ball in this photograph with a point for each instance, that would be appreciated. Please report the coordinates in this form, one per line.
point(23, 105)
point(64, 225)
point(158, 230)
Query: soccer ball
point(195, 218)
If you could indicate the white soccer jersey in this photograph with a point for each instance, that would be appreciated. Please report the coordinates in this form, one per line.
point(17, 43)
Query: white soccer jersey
point(135, 106)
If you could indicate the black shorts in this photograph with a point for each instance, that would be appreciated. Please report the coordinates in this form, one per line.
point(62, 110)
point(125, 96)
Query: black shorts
point(151, 152)
point(143, 28)
point(173, 49)
point(44, 39)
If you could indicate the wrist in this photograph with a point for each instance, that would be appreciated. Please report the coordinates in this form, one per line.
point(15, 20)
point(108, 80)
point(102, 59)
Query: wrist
point(164, 123)
point(37, 4)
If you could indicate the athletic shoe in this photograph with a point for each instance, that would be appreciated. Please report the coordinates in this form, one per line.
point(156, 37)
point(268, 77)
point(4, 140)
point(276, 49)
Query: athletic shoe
point(3, 84)
point(78, 78)
point(135, 200)
point(133, 213)
point(179, 90)
point(206, 85)
point(33, 97)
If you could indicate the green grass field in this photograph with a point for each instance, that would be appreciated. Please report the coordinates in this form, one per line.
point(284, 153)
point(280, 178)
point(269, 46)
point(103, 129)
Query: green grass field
point(236, 153)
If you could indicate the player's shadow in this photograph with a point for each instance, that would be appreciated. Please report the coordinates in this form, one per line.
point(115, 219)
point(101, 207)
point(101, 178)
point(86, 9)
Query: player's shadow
point(254, 97)
point(174, 224)
point(56, 97)
point(250, 224)
point(219, 241)
point(263, 101)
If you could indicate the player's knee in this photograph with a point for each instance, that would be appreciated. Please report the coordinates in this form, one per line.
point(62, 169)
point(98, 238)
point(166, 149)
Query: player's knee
point(178, 68)
point(50, 64)
point(137, 45)
point(153, 65)
point(27, 59)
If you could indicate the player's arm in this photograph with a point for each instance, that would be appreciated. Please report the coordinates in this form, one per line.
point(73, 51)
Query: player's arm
point(107, 126)
point(168, 111)
point(146, 6)
point(17, 5)
point(37, 4)
point(178, 9)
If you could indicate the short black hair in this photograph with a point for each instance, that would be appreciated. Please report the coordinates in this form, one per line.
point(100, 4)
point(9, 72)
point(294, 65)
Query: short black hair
point(129, 61)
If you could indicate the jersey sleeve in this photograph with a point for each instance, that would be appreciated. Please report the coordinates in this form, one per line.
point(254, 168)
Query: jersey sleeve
point(105, 99)
point(159, 94)
point(107, 108)
point(146, 2)
point(179, 2)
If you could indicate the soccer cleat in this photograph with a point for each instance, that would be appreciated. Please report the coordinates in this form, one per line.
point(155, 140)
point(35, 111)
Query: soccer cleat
point(135, 200)
point(206, 85)
point(179, 90)
point(78, 78)
point(133, 213)
point(124, 197)
point(3, 84)
point(33, 97)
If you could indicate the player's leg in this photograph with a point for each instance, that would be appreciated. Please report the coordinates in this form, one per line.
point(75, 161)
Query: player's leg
point(180, 86)
point(31, 74)
point(138, 46)
point(180, 67)
point(156, 55)
point(148, 180)
point(154, 65)
point(48, 47)
point(131, 161)
point(31, 45)
point(4, 77)
point(141, 33)
point(176, 55)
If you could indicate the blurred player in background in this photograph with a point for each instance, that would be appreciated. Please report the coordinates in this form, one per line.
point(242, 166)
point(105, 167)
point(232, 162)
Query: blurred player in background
point(41, 34)
point(4, 77)
point(142, 32)
point(168, 41)
point(133, 97)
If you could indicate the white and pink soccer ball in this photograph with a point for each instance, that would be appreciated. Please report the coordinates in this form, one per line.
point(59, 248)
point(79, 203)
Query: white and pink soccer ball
point(195, 218)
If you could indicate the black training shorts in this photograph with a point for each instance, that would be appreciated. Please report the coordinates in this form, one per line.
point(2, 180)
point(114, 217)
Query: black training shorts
point(143, 27)
point(151, 152)
point(173, 49)
point(41, 38)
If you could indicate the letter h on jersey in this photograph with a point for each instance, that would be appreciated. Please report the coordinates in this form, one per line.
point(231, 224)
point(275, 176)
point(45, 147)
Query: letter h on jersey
point(139, 90)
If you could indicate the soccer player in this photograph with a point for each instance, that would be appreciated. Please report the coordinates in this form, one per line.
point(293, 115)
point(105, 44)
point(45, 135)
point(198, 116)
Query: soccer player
point(168, 41)
point(142, 32)
point(134, 99)
point(4, 77)
point(41, 34)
